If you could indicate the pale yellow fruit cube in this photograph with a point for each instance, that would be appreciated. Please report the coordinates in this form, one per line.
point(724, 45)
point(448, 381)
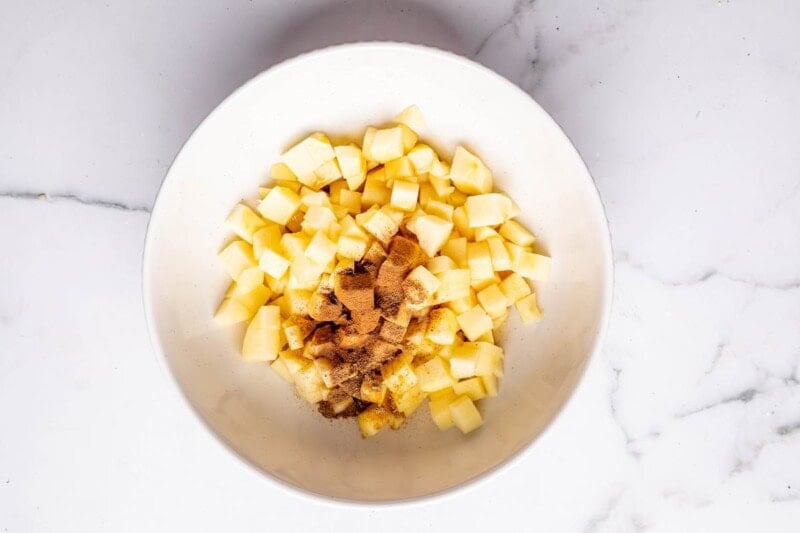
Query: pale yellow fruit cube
point(474, 322)
point(260, 344)
point(440, 263)
point(307, 156)
point(528, 309)
point(352, 164)
point(304, 273)
point(244, 222)
point(488, 336)
point(471, 388)
point(381, 226)
point(350, 200)
point(462, 305)
point(420, 286)
point(267, 317)
point(440, 209)
point(456, 249)
point(385, 144)
point(373, 419)
point(400, 168)
point(254, 299)
point(439, 169)
point(279, 205)
point(480, 284)
point(352, 229)
point(493, 301)
point(422, 158)
point(485, 233)
point(433, 375)
point(309, 383)
point(292, 185)
point(395, 214)
point(277, 285)
point(462, 223)
point(309, 198)
point(440, 414)
point(340, 212)
point(294, 244)
point(442, 186)
point(335, 189)
point(321, 249)
point(248, 280)
point(231, 311)
point(514, 232)
point(514, 287)
point(465, 415)
point(408, 401)
point(479, 260)
point(374, 392)
point(411, 117)
point(490, 209)
point(293, 360)
point(326, 174)
point(490, 385)
point(375, 192)
point(487, 356)
point(404, 195)
point(237, 257)
point(280, 368)
point(442, 326)
point(469, 174)
point(281, 172)
point(351, 247)
point(273, 263)
point(294, 334)
point(398, 375)
point(432, 232)
point(501, 260)
point(466, 358)
point(267, 237)
point(297, 301)
point(318, 219)
point(325, 370)
point(264, 191)
point(532, 266)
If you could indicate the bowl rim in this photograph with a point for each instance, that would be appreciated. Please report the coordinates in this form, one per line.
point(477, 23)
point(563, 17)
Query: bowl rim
point(472, 482)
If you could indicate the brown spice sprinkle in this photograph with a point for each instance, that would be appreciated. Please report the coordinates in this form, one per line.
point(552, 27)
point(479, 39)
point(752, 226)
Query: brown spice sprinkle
point(363, 323)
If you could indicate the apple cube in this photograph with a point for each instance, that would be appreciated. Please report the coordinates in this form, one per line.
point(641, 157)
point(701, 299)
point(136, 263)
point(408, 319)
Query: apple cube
point(469, 174)
point(490, 385)
point(433, 375)
point(456, 249)
point(273, 263)
point(373, 391)
point(326, 174)
point(231, 311)
point(352, 164)
point(294, 244)
point(528, 309)
point(501, 260)
point(466, 416)
point(398, 375)
point(440, 414)
point(373, 419)
point(351, 201)
point(514, 232)
point(293, 360)
point(297, 301)
point(279, 205)
point(244, 222)
point(381, 226)
point(440, 263)
point(479, 259)
point(262, 340)
point(280, 172)
point(248, 280)
point(267, 237)
point(439, 169)
point(514, 287)
point(420, 285)
point(490, 209)
point(474, 322)
point(432, 232)
point(440, 209)
point(411, 117)
point(309, 198)
point(351, 247)
point(532, 266)
point(484, 233)
point(304, 273)
point(375, 192)
point(471, 388)
point(237, 257)
point(493, 301)
point(408, 401)
point(427, 194)
point(462, 223)
point(480, 284)
point(307, 156)
point(254, 299)
point(318, 219)
point(385, 144)
point(321, 249)
point(280, 368)
point(309, 384)
point(442, 326)
point(422, 157)
point(462, 305)
point(400, 168)
point(404, 195)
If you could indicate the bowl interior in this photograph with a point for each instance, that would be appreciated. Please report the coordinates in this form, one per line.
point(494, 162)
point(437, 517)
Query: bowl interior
point(340, 91)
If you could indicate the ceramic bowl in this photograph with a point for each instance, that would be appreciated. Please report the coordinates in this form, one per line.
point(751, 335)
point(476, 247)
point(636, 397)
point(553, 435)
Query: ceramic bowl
point(341, 90)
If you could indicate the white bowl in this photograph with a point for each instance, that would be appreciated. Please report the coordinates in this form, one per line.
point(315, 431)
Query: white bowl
point(340, 90)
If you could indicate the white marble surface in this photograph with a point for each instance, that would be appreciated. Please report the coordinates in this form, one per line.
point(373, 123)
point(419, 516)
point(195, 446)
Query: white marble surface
point(685, 112)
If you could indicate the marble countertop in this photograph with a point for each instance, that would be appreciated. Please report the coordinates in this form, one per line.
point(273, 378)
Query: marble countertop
point(686, 114)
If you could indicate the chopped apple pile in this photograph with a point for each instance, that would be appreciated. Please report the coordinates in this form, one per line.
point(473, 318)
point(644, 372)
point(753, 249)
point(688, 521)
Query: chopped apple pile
point(374, 277)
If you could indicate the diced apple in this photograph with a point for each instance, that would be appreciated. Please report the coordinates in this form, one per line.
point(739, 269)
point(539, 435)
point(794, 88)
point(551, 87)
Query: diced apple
point(321, 249)
point(383, 145)
point(462, 223)
point(262, 340)
point(422, 158)
point(248, 280)
point(493, 301)
point(267, 237)
point(309, 384)
point(514, 287)
point(528, 309)
point(404, 195)
point(304, 273)
point(484, 233)
point(350, 200)
point(230, 312)
point(440, 413)
point(236, 257)
point(479, 260)
point(469, 174)
point(490, 385)
point(456, 249)
point(352, 165)
point(420, 285)
point(326, 174)
point(351, 247)
point(440, 263)
point(373, 419)
point(280, 368)
point(375, 193)
point(400, 168)
point(310, 198)
point(409, 400)
point(532, 266)
point(318, 219)
point(465, 415)
point(433, 375)
point(514, 232)
point(432, 232)
point(294, 244)
point(474, 322)
point(373, 391)
point(490, 209)
point(411, 117)
point(462, 305)
point(279, 205)
point(307, 156)
point(381, 226)
point(442, 326)
point(398, 375)
point(440, 209)
point(471, 388)
point(501, 261)
point(244, 222)
point(454, 285)
point(273, 263)
point(280, 172)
